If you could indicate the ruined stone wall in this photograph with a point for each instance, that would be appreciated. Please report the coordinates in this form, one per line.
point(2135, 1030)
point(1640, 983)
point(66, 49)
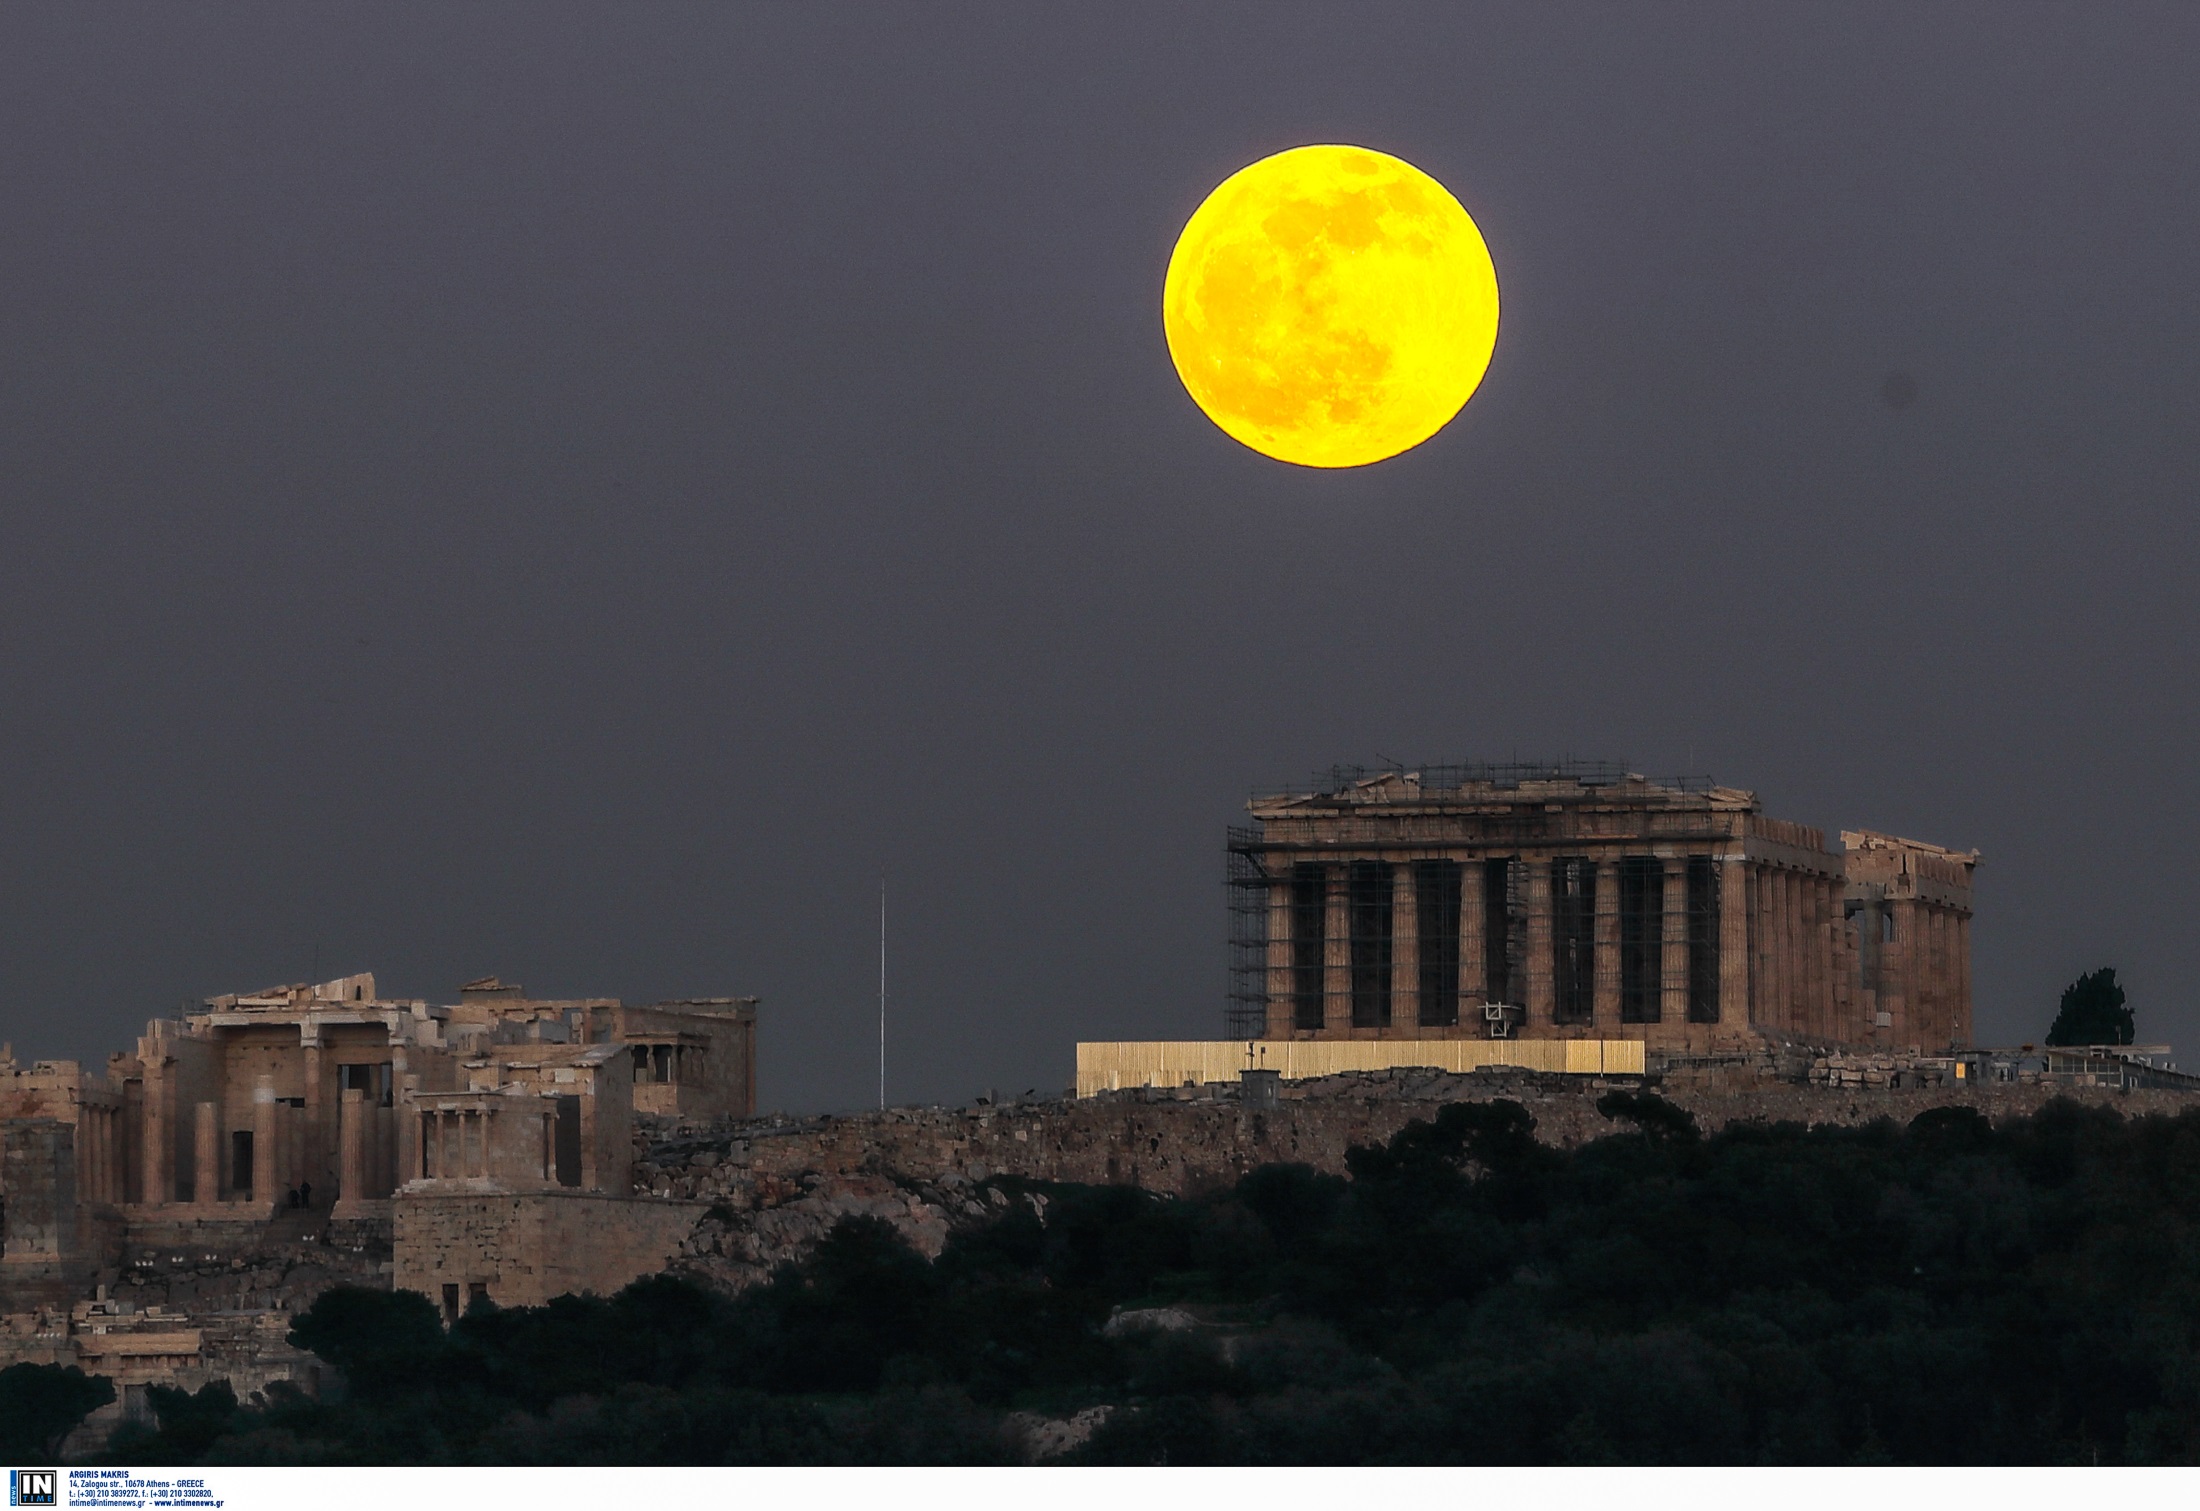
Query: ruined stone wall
point(526, 1249)
point(38, 1174)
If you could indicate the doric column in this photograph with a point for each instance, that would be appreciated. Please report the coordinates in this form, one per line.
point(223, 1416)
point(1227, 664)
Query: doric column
point(1733, 941)
point(1960, 1015)
point(1793, 1017)
point(1824, 912)
point(1830, 928)
point(1673, 958)
point(1798, 894)
point(1813, 955)
point(408, 1127)
point(1898, 982)
point(86, 1152)
point(1928, 974)
point(206, 1165)
point(352, 1140)
point(1607, 947)
point(314, 1167)
point(1473, 965)
point(266, 1177)
point(1405, 951)
point(1761, 993)
point(1542, 1000)
point(1337, 953)
point(1279, 958)
point(1943, 980)
point(158, 1154)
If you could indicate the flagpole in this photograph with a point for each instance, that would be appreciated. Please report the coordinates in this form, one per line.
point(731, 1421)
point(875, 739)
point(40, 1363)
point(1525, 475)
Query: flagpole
point(882, 993)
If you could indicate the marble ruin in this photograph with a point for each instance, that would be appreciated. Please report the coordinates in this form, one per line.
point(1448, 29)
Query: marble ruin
point(482, 1148)
point(1579, 901)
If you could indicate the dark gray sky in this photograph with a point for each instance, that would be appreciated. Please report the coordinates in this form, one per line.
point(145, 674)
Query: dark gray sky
point(582, 492)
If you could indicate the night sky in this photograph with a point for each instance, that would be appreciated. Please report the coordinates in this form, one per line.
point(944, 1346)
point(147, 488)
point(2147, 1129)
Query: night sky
point(585, 492)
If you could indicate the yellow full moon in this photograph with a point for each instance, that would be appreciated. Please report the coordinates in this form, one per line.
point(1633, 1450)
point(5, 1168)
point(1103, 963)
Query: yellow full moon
point(1330, 306)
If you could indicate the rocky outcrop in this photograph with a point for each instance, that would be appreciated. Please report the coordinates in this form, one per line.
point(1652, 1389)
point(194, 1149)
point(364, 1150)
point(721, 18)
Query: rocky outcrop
point(776, 1186)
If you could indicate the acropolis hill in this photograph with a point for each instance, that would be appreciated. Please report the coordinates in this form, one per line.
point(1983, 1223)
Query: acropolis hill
point(1401, 939)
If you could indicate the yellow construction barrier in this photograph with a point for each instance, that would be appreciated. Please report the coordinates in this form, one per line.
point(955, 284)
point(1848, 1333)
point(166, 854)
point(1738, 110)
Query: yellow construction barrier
point(1113, 1066)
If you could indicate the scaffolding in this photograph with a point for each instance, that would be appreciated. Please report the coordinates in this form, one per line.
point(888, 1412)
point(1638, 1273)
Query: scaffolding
point(1249, 885)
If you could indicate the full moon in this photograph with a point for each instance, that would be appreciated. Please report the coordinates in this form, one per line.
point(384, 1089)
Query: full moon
point(1330, 306)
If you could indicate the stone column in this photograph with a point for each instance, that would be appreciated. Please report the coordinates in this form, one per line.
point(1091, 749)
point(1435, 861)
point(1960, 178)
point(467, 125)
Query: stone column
point(1763, 946)
point(1959, 1016)
point(1807, 954)
point(1824, 930)
point(1932, 1023)
point(1337, 954)
point(85, 1152)
point(1921, 998)
point(158, 1154)
point(314, 1167)
point(1473, 965)
point(1806, 1003)
point(352, 1139)
point(404, 1083)
point(103, 1154)
point(1831, 928)
point(1830, 931)
point(1607, 947)
point(1542, 998)
point(1673, 957)
point(1733, 941)
point(1279, 959)
point(206, 1166)
point(1898, 970)
point(266, 1177)
point(1405, 951)
point(1793, 998)
point(1943, 983)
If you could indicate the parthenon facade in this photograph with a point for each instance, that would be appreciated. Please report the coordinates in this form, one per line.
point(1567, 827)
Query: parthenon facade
point(1579, 901)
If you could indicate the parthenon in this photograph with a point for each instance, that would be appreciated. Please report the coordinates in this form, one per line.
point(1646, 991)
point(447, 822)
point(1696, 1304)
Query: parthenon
point(1575, 900)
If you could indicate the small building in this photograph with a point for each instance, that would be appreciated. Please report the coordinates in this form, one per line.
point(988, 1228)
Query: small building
point(1576, 900)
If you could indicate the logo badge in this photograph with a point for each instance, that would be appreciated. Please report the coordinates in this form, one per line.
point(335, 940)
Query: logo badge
point(32, 1487)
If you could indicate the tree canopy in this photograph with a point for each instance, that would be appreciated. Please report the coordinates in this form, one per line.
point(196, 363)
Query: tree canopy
point(2093, 1012)
point(40, 1404)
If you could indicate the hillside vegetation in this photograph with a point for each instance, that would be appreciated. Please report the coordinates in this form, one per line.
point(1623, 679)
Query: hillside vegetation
point(1949, 1292)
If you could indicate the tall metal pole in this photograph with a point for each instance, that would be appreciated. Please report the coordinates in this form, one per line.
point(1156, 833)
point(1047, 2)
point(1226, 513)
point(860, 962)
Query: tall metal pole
point(882, 993)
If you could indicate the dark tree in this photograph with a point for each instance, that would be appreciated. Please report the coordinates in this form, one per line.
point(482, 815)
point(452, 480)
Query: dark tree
point(385, 1342)
point(40, 1404)
point(2093, 1012)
